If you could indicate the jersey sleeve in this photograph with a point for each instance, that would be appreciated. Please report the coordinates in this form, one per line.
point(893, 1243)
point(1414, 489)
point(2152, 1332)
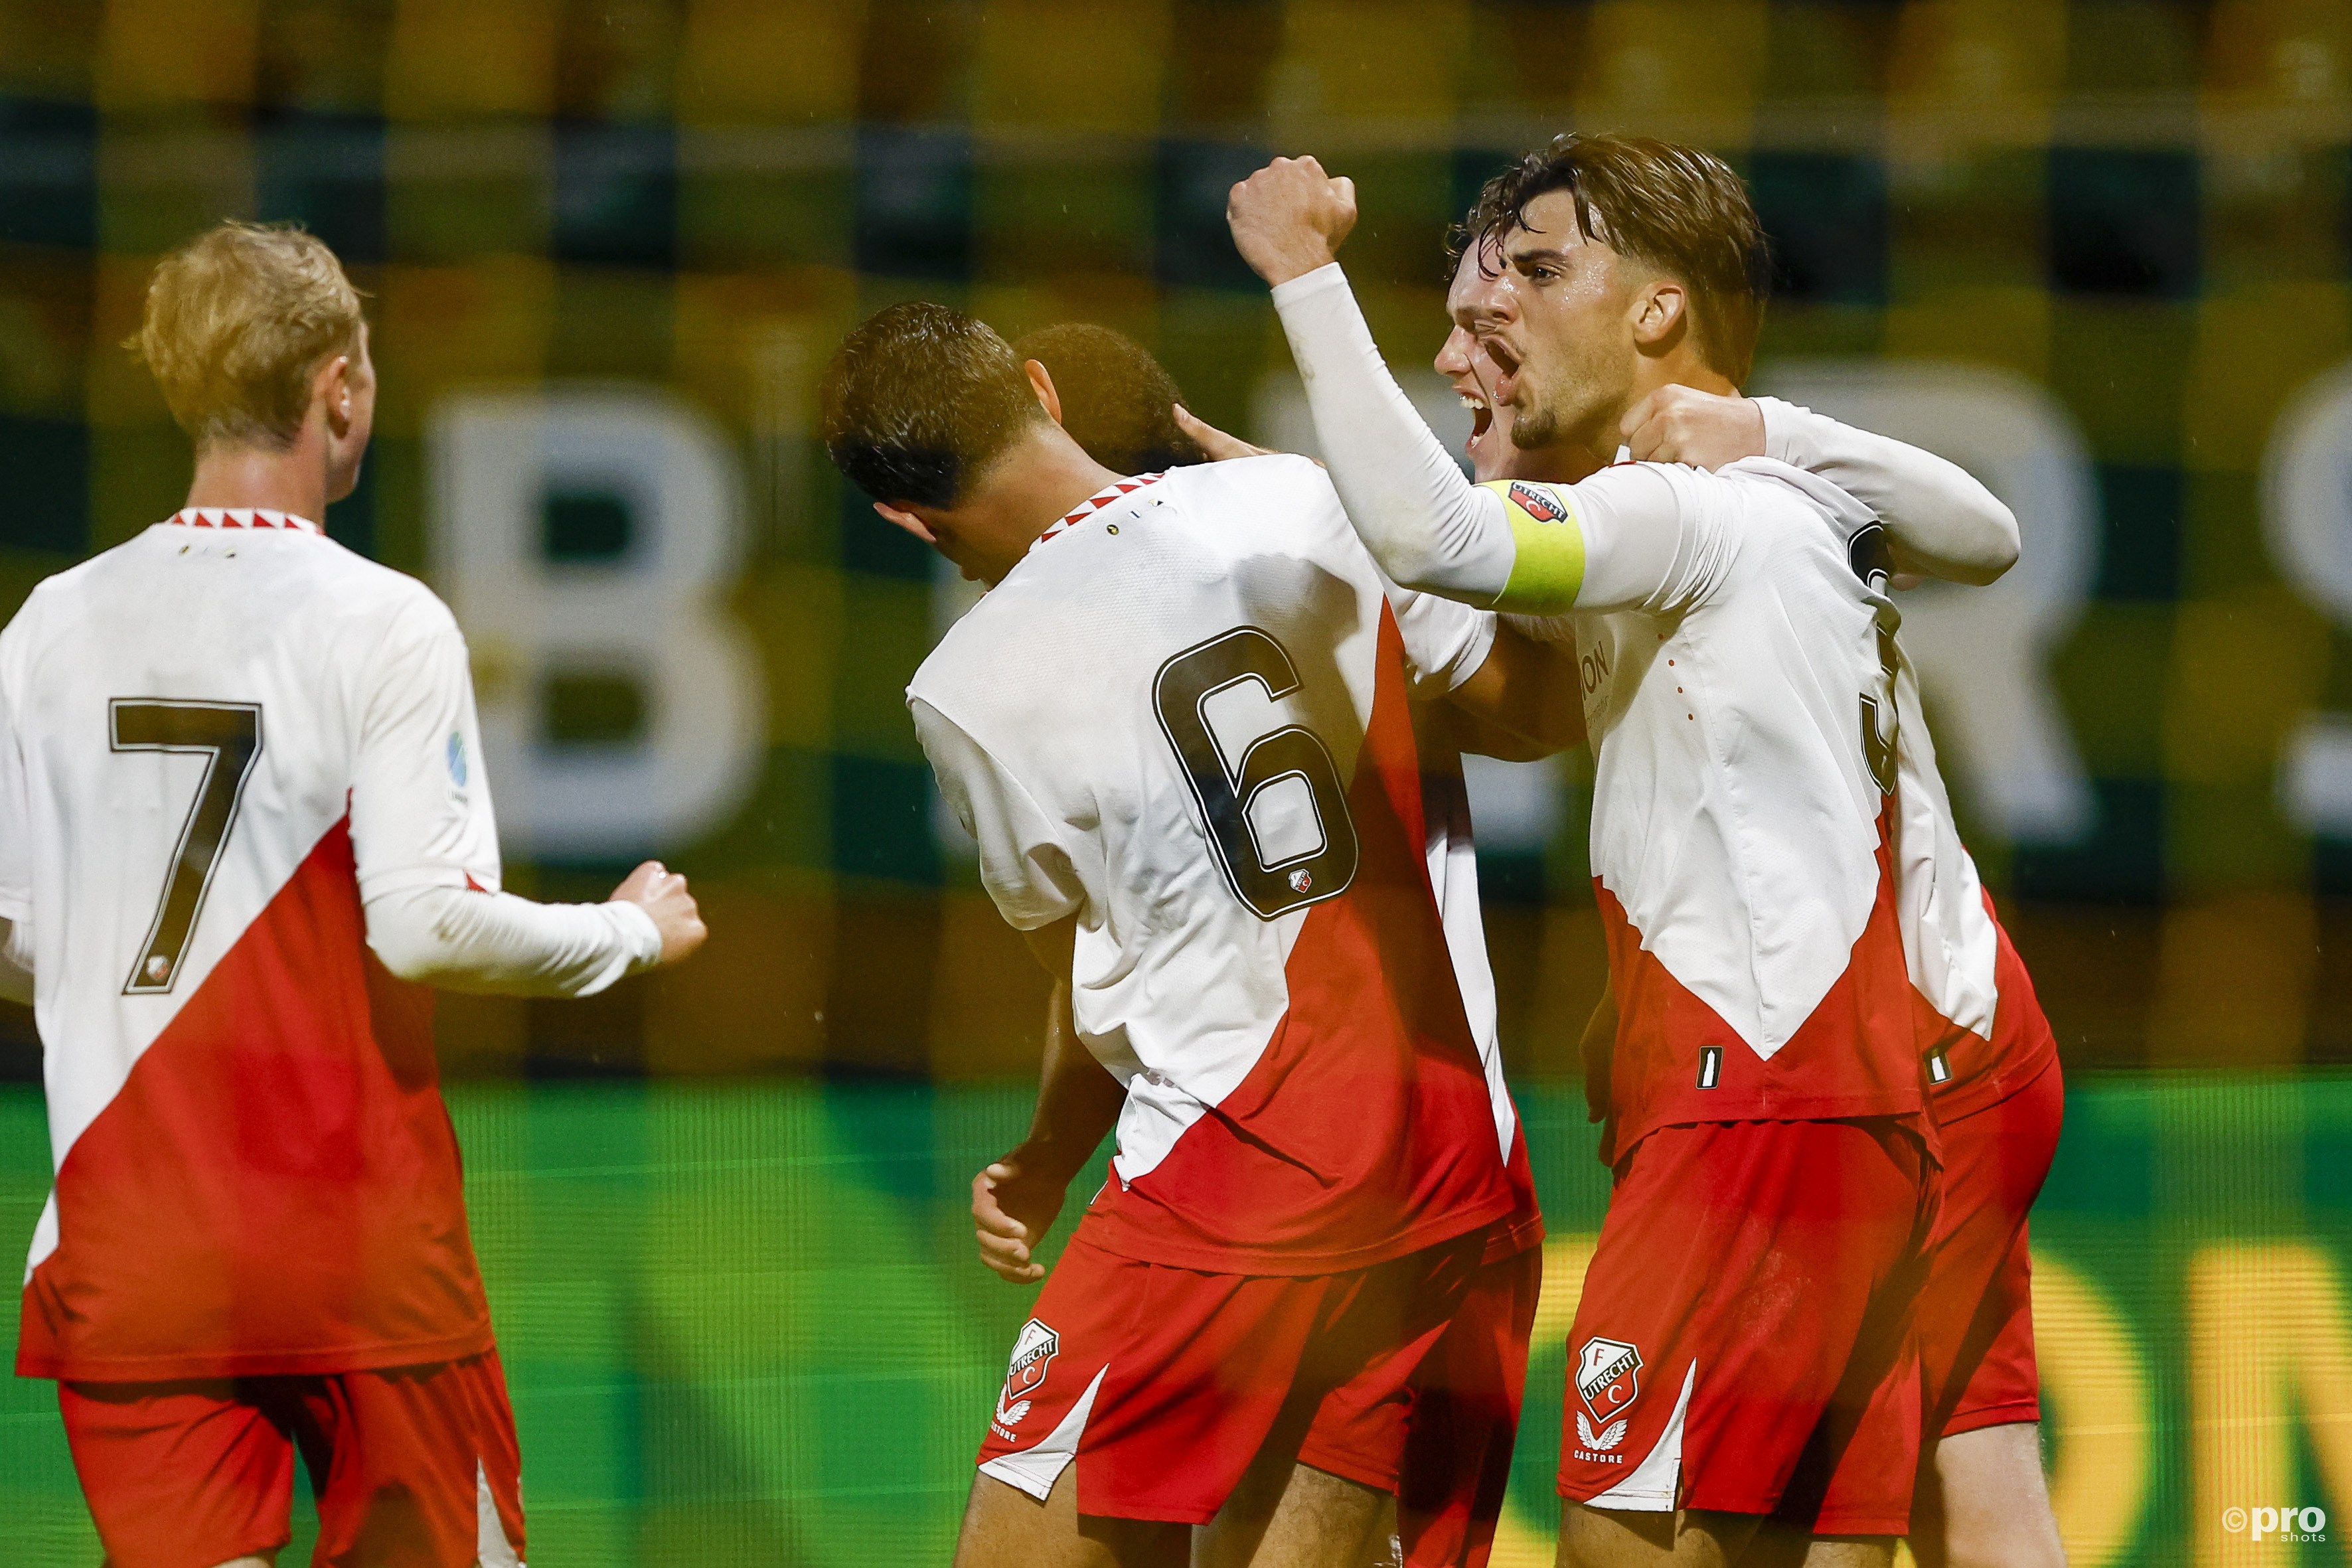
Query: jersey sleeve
point(1429, 528)
point(1637, 536)
point(15, 830)
point(420, 811)
point(1027, 869)
point(1445, 641)
point(1943, 521)
point(15, 793)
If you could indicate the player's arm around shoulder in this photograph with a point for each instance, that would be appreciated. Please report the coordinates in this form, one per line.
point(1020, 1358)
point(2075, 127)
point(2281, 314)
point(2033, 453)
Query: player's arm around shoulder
point(1941, 521)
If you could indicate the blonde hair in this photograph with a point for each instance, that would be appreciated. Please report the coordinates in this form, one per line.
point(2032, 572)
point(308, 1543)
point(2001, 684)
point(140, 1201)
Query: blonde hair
point(237, 323)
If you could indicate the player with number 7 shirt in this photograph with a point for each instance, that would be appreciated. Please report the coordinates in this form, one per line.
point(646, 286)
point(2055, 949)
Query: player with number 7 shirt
point(243, 826)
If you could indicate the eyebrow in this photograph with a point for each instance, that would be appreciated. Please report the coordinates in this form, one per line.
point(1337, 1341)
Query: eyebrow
point(1523, 257)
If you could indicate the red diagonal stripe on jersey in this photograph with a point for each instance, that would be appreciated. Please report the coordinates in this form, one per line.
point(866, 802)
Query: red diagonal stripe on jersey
point(1364, 1130)
point(1985, 1072)
point(276, 1189)
point(1856, 1054)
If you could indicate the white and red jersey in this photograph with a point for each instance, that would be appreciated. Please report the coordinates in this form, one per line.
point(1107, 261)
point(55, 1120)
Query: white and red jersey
point(216, 741)
point(1740, 703)
point(1980, 1023)
point(1183, 718)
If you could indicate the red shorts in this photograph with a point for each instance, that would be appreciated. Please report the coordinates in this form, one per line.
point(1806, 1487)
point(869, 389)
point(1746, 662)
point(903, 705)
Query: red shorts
point(1975, 1317)
point(1462, 1404)
point(412, 1467)
point(1742, 1343)
point(1465, 1419)
point(1164, 1383)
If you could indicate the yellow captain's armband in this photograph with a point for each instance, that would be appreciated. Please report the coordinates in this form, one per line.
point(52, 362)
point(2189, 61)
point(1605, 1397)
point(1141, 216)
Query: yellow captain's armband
point(1550, 565)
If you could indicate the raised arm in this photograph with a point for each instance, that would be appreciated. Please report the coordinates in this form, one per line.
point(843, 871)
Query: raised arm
point(1626, 537)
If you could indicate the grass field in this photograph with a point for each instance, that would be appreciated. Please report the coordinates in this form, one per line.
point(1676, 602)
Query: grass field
point(744, 1326)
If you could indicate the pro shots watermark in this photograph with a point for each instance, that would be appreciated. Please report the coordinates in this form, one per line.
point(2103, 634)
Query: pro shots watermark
point(2276, 1524)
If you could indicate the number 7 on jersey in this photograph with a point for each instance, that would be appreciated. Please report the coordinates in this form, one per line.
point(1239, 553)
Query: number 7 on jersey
point(228, 734)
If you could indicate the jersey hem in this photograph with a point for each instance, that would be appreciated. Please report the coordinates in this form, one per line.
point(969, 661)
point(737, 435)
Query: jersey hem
point(1616, 1142)
point(2008, 1413)
point(177, 1368)
point(1979, 1095)
point(1516, 1234)
point(1250, 1264)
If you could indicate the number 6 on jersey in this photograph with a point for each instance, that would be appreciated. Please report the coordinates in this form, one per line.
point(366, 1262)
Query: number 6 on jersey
point(1229, 796)
point(229, 736)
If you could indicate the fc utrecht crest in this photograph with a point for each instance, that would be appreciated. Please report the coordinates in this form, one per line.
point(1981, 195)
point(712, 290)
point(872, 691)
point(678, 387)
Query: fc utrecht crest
point(1608, 1376)
point(1033, 1353)
point(1539, 504)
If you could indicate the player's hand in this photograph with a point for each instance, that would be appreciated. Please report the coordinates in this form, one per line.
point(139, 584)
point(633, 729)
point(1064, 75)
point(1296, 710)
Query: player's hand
point(661, 893)
point(1213, 441)
point(1290, 217)
point(1012, 1210)
point(1704, 430)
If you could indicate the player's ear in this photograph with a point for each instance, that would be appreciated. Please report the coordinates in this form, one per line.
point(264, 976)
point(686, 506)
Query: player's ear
point(907, 520)
point(332, 387)
point(1041, 382)
point(1661, 310)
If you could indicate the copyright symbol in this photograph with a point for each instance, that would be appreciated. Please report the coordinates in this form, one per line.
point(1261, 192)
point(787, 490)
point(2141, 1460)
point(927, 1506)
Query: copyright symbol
point(2233, 1520)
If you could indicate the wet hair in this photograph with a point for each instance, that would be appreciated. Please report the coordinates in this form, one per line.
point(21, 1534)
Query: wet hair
point(919, 400)
point(1118, 402)
point(1677, 208)
point(238, 322)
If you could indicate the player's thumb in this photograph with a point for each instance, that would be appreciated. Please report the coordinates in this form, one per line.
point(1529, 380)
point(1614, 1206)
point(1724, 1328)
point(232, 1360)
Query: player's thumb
point(1637, 416)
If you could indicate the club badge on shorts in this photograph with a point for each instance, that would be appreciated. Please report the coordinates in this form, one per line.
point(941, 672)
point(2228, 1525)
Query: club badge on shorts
point(1608, 1377)
point(1033, 1353)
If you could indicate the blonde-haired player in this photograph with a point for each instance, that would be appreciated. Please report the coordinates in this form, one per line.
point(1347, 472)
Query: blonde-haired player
point(242, 817)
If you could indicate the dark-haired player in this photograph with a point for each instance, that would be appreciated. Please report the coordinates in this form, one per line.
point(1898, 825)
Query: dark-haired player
point(1739, 1350)
point(1177, 727)
point(1996, 1089)
point(1124, 408)
point(1116, 401)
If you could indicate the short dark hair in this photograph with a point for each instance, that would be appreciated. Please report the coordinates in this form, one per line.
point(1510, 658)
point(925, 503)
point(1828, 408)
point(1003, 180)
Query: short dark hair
point(1118, 402)
point(1682, 210)
point(918, 400)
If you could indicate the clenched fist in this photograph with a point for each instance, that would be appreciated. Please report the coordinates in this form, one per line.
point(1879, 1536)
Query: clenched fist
point(1704, 430)
point(1290, 217)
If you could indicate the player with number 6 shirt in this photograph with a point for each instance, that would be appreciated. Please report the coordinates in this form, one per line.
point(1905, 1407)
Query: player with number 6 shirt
point(1177, 727)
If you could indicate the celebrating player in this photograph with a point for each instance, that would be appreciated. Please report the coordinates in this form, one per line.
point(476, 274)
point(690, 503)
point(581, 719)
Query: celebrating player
point(1464, 1399)
point(242, 812)
point(1177, 726)
point(1997, 1093)
point(1775, 1173)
